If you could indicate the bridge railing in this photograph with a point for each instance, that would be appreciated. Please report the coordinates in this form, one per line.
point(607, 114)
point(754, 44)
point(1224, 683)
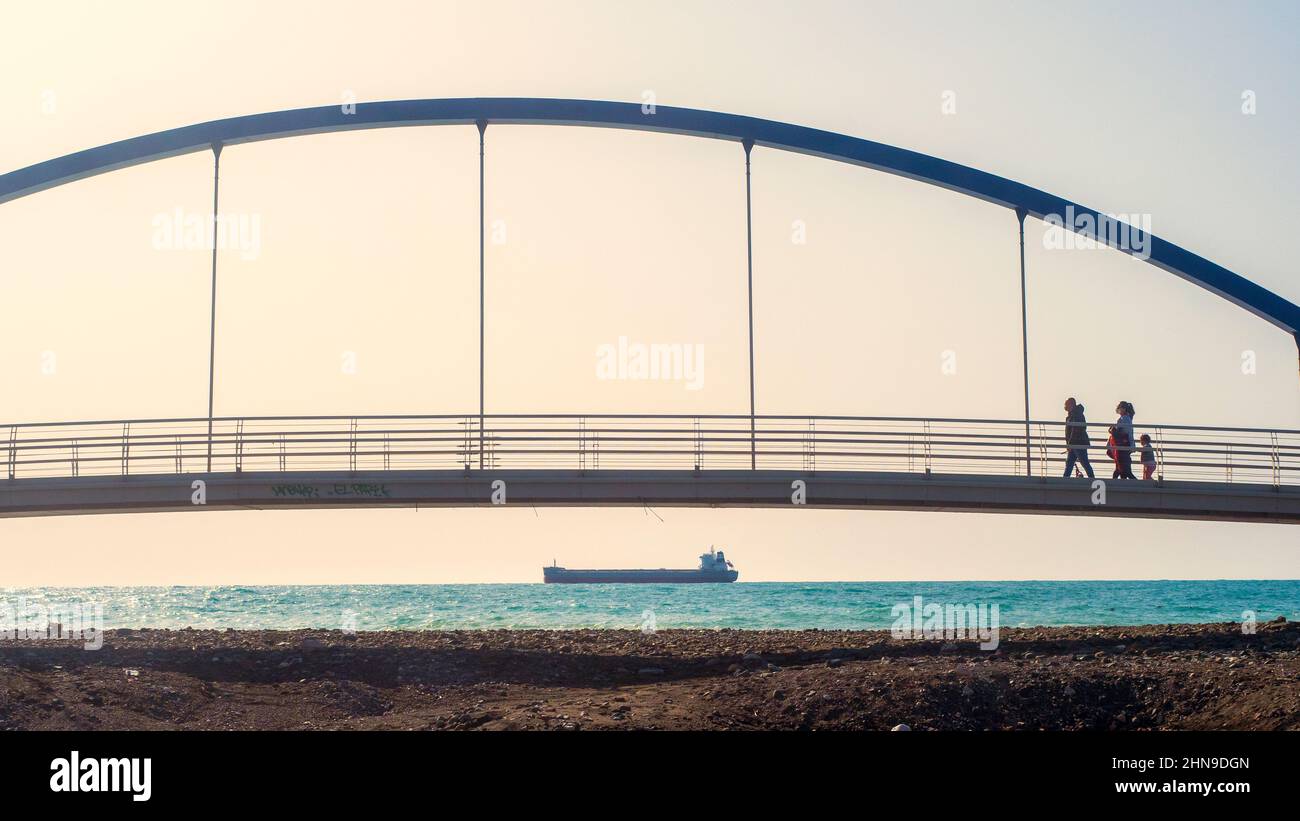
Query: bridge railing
point(605, 441)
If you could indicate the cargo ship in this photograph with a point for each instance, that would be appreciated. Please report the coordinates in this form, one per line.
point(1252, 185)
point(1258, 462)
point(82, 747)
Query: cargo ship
point(714, 568)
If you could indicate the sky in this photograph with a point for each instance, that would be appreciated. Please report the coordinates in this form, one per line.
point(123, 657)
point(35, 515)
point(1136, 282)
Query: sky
point(366, 253)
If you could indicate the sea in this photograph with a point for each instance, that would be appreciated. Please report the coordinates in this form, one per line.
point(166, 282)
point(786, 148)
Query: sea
point(743, 605)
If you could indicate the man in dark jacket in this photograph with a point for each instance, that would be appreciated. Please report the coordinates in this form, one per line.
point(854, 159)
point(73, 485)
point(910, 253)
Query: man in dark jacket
point(1076, 438)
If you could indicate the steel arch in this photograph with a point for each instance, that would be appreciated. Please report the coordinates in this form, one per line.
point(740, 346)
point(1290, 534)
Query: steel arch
point(666, 119)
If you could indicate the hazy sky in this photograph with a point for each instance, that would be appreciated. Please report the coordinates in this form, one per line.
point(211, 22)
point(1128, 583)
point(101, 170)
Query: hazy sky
point(367, 247)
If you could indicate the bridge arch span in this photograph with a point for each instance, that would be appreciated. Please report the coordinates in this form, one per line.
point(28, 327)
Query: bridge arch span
point(748, 131)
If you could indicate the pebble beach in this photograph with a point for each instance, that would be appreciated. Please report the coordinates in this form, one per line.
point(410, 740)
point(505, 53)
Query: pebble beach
point(1152, 677)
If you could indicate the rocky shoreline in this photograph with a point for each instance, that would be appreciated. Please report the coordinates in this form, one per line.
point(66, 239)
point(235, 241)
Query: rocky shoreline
point(1164, 677)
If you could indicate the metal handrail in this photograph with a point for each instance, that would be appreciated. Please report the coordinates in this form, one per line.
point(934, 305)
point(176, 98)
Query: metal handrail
point(460, 417)
point(592, 441)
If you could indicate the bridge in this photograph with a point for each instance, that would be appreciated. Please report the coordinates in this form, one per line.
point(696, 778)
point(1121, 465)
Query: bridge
point(753, 460)
point(1233, 474)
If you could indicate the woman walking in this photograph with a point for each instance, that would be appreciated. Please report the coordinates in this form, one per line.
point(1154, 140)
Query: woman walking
point(1121, 437)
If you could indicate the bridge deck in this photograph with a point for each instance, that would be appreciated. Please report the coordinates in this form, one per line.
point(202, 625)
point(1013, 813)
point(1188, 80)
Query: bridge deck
point(655, 488)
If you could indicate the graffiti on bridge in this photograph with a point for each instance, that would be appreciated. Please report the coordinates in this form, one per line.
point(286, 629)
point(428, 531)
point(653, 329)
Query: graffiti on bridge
point(334, 490)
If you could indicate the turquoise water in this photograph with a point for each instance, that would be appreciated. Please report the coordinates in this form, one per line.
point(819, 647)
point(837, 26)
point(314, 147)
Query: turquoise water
point(826, 605)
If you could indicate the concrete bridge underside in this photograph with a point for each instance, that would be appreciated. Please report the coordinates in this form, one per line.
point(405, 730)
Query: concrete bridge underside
point(654, 488)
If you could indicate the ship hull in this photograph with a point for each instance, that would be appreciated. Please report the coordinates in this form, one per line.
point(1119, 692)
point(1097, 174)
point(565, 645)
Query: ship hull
point(560, 575)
